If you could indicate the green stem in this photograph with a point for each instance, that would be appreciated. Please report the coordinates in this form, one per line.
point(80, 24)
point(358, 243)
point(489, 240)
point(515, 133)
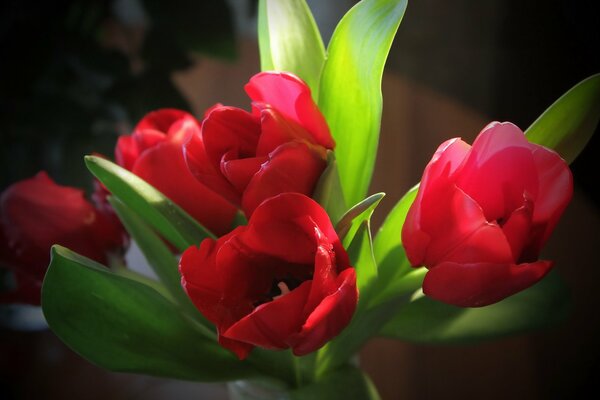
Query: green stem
point(297, 371)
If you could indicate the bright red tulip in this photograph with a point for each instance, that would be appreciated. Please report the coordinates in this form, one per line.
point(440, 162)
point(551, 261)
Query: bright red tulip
point(280, 147)
point(37, 213)
point(154, 152)
point(482, 215)
point(282, 281)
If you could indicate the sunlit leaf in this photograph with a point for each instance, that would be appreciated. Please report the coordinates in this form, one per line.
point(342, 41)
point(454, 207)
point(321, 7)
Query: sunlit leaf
point(289, 40)
point(162, 214)
point(350, 94)
point(568, 124)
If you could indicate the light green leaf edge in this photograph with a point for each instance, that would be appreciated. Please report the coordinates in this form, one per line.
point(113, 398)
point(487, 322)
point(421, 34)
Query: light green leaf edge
point(569, 123)
point(289, 40)
point(350, 95)
point(172, 222)
point(160, 258)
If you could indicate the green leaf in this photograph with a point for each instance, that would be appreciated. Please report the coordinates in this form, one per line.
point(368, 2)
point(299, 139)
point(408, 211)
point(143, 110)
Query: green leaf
point(360, 252)
point(347, 383)
point(393, 266)
point(427, 321)
point(348, 225)
point(328, 192)
point(568, 124)
point(350, 95)
point(173, 223)
point(289, 40)
point(123, 325)
point(158, 256)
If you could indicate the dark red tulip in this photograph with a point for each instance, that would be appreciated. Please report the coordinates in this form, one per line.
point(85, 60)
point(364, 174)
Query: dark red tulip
point(280, 147)
point(154, 152)
point(37, 213)
point(483, 214)
point(282, 281)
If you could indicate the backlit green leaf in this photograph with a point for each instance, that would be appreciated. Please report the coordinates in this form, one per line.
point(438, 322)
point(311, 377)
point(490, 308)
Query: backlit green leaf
point(289, 40)
point(568, 124)
point(173, 223)
point(350, 94)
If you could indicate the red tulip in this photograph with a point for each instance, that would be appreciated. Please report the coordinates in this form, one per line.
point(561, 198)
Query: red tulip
point(35, 214)
point(154, 152)
point(280, 147)
point(482, 215)
point(282, 281)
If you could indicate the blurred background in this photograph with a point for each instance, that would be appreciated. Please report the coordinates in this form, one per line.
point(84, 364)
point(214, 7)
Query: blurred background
point(76, 74)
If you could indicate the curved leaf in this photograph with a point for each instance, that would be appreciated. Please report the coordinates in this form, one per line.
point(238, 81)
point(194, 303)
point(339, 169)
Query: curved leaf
point(126, 326)
point(428, 321)
point(393, 266)
point(158, 256)
point(162, 214)
point(568, 124)
point(289, 40)
point(350, 94)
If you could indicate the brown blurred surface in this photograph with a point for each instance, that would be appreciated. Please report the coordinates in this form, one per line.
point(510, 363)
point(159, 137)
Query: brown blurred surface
point(558, 363)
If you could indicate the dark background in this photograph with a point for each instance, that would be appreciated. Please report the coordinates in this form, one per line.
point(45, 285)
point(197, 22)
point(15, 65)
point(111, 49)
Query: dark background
point(75, 74)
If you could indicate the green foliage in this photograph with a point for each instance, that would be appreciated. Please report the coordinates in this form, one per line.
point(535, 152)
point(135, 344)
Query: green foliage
point(123, 325)
point(158, 211)
point(350, 94)
point(569, 123)
point(424, 320)
point(289, 40)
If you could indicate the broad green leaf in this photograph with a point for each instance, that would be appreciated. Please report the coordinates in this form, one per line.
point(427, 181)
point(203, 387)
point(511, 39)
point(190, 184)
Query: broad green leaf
point(393, 266)
point(328, 192)
point(348, 225)
point(568, 124)
point(428, 321)
point(289, 40)
point(346, 383)
point(350, 94)
point(173, 223)
point(158, 256)
point(123, 325)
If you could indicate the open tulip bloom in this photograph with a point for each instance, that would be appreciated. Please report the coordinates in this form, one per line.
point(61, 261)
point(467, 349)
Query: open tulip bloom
point(257, 225)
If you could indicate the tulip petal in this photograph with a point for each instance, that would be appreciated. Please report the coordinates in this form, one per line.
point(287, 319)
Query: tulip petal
point(454, 228)
point(239, 172)
point(330, 317)
point(481, 284)
point(288, 94)
point(162, 119)
point(278, 130)
point(279, 229)
point(499, 170)
point(292, 167)
point(230, 128)
point(555, 192)
point(164, 167)
point(517, 228)
point(126, 152)
point(205, 172)
point(271, 325)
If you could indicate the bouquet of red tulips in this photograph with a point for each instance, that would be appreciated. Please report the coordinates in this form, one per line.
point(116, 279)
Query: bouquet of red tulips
point(257, 224)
